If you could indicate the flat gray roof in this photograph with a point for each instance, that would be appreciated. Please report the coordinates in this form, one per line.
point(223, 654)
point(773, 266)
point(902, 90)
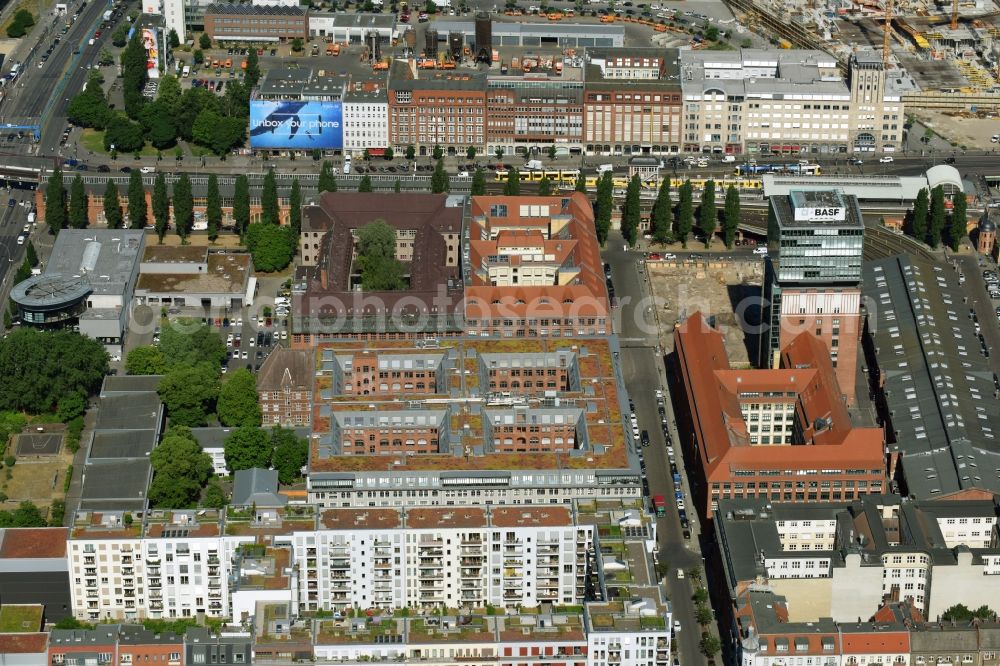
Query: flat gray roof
point(106, 258)
point(51, 291)
point(120, 484)
point(122, 444)
point(535, 29)
point(130, 384)
point(865, 188)
point(939, 389)
point(129, 411)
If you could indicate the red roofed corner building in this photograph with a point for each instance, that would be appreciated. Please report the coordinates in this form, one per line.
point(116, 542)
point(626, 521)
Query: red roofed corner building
point(535, 268)
point(784, 433)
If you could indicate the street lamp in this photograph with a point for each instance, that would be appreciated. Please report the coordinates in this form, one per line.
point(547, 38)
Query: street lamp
point(114, 153)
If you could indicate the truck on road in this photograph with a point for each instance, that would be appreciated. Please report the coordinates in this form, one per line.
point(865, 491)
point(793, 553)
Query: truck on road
point(533, 165)
point(107, 15)
point(660, 504)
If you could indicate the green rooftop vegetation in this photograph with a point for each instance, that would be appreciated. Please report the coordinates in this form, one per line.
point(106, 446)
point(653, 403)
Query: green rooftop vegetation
point(20, 619)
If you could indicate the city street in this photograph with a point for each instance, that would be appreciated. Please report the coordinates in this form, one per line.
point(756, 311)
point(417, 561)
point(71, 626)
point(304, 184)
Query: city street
point(644, 368)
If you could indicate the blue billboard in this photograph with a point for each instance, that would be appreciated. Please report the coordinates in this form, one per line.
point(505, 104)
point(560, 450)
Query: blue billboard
point(296, 125)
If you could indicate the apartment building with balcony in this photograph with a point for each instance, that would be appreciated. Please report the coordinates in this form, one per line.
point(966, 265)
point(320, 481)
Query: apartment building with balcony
point(632, 101)
point(843, 560)
point(787, 102)
point(509, 412)
point(442, 557)
point(169, 566)
point(430, 108)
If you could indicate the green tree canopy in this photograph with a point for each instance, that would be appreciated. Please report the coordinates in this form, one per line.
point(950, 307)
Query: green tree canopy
point(241, 204)
point(937, 216)
point(731, 216)
point(248, 447)
point(478, 187)
point(685, 212)
point(291, 453)
point(295, 208)
point(214, 496)
point(272, 247)
point(112, 206)
point(187, 342)
point(40, 368)
point(440, 182)
point(380, 270)
point(213, 207)
point(512, 187)
point(437, 153)
point(134, 75)
point(918, 216)
point(189, 393)
point(55, 202)
point(78, 217)
point(204, 41)
point(270, 212)
point(630, 211)
point(145, 360)
point(708, 214)
point(161, 206)
point(661, 219)
point(137, 213)
point(237, 406)
point(25, 515)
point(327, 183)
point(545, 187)
point(365, 184)
point(180, 470)
point(602, 206)
point(581, 183)
point(183, 206)
point(959, 220)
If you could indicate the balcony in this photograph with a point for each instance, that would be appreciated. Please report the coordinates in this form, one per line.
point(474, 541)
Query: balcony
point(213, 560)
point(153, 571)
point(156, 605)
point(155, 582)
point(214, 584)
point(213, 571)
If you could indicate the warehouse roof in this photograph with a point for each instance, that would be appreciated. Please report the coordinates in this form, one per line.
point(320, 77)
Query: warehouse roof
point(939, 389)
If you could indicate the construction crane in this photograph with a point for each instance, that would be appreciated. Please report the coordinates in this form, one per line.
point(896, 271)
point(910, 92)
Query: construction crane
point(885, 35)
point(954, 14)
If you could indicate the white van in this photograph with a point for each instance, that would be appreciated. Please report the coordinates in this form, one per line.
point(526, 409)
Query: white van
point(347, 166)
point(761, 250)
point(729, 158)
point(603, 168)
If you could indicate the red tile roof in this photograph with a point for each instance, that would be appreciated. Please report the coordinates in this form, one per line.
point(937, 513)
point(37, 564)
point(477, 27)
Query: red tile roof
point(24, 643)
point(713, 396)
point(34, 543)
point(875, 641)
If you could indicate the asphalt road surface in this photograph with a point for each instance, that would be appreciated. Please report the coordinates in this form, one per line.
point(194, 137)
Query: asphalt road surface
point(642, 367)
point(39, 87)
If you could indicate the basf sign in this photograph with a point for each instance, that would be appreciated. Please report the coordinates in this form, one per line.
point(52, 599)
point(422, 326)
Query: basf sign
point(296, 125)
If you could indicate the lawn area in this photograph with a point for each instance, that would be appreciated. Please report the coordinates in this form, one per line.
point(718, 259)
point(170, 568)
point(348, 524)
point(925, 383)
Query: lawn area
point(93, 140)
point(34, 481)
point(20, 618)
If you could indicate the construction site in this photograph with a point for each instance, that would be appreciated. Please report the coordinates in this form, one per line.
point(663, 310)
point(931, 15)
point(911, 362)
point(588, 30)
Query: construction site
point(939, 56)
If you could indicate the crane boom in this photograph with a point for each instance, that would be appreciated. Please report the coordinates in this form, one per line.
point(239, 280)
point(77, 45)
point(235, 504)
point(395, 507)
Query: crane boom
point(954, 14)
point(885, 36)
